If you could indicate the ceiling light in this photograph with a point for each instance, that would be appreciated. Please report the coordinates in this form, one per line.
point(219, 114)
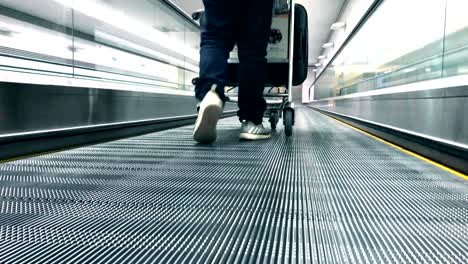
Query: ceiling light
point(328, 45)
point(338, 25)
point(318, 65)
point(314, 70)
point(321, 57)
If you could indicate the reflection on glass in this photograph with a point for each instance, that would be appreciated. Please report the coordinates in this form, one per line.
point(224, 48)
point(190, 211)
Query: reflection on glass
point(399, 44)
point(456, 39)
point(49, 45)
point(138, 42)
point(192, 40)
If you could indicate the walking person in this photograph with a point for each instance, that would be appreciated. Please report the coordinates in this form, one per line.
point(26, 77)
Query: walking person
point(246, 23)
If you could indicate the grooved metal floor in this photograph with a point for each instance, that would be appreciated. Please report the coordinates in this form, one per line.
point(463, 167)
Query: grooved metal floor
point(327, 195)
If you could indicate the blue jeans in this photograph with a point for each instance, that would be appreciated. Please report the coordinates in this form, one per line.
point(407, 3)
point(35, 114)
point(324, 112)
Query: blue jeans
point(245, 23)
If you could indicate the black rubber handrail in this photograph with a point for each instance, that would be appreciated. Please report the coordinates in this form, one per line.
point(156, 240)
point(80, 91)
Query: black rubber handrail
point(177, 9)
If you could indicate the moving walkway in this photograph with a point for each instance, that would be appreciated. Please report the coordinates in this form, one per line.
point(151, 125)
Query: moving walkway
point(330, 194)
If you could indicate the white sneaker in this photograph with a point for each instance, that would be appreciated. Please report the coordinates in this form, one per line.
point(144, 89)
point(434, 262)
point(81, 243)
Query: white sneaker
point(250, 131)
point(211, 109)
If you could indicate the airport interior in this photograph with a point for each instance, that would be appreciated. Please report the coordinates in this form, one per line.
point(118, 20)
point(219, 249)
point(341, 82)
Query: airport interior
point(367, 104)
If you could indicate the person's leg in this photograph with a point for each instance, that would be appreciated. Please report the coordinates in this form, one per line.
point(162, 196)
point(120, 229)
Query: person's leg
point(252, 43)
point(217, 40)
point(218, 37)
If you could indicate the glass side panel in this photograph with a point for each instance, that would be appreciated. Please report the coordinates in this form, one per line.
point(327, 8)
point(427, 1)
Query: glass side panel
point(398, 44)
point(192, 40)
point(34, 39)
point(456, 38)
point(132, 41)
point(140, 42)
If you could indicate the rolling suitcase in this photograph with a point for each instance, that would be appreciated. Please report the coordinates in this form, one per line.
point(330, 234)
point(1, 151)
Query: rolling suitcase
point(287, 61)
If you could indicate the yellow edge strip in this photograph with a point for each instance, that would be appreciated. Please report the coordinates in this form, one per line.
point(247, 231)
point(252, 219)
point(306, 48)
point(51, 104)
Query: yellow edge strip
point(452, 171)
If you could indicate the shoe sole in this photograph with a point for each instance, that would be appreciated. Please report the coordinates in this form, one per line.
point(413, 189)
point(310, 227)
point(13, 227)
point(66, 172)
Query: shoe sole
point(205, 130)
point(248, 136)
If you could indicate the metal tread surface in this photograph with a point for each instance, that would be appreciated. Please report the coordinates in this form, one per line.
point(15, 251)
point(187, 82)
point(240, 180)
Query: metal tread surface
point(329, 194)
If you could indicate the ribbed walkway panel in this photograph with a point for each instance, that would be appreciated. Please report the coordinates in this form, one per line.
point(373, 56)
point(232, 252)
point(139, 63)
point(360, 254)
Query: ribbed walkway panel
point(329, 194)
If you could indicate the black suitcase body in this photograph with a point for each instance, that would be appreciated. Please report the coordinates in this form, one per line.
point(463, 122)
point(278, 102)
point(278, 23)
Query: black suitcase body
point(277, 73)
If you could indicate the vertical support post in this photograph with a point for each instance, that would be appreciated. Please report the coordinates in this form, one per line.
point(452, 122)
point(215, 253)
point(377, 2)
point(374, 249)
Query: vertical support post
point(291, 49)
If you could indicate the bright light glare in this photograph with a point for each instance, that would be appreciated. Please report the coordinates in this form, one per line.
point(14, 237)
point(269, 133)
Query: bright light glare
point(384, 38)
point(145, 50)
point(104, 58)
point(456, 15)
point(119, 20)
point(338, 25)
point(27, 39)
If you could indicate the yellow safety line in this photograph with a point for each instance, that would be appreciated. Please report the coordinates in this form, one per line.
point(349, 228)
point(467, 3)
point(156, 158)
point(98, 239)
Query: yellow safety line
point(452, 171)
